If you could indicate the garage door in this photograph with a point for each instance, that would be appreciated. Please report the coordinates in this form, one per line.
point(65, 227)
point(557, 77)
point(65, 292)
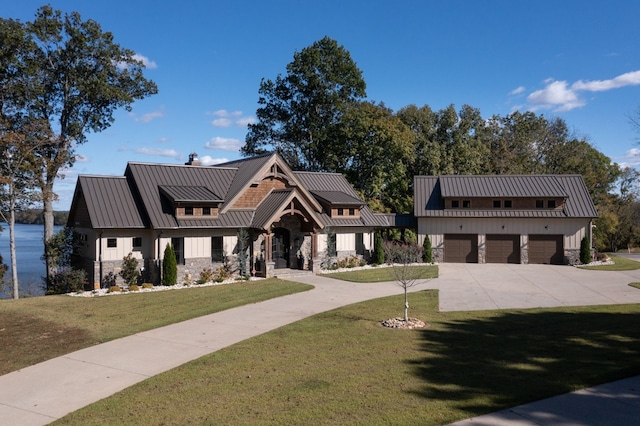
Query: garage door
point(461, 248)
point(503, 249)
point(546, 249)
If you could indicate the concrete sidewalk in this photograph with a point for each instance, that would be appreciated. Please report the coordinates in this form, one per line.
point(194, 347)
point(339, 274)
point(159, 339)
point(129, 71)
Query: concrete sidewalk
point(47, 391)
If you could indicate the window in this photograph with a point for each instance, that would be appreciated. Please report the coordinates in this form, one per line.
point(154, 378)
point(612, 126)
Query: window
point(455, 204)
point(188, 211)
point(466, 204)
point(137, 242)
point(497, 204)
point(206, 211)
point(217, 251)
point(539, 204)
point(508, 204)
point(352, 212)
point(551, 204)
point(112, 242)
point(178, 248)
point(340, 212)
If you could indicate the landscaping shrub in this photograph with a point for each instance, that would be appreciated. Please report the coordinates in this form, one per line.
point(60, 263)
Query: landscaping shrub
point(109, 280)
point(67, 280)
point(130, 272)
point(147, 285)
point(114, 289)
point(206, 275)
point(378, 249)
point(169, 266)
point(427, 254)
point(585, 251)
point(134, 287)
point(222, 274)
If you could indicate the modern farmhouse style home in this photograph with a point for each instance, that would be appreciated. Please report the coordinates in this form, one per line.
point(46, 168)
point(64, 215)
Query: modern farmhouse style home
point(283, 219)
point(504, 218)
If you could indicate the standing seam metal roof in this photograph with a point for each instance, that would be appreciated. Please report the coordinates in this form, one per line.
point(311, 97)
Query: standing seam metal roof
point(430, 191)
point(110, 202)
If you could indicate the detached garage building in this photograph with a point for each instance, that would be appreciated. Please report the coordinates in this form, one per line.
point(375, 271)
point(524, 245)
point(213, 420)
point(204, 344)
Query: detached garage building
point(504, 218)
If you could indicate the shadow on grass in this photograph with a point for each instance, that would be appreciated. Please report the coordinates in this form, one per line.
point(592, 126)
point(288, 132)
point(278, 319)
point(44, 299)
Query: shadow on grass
point(504, 359)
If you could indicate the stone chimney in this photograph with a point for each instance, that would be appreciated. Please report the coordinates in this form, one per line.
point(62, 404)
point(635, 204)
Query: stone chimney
point(193, 160)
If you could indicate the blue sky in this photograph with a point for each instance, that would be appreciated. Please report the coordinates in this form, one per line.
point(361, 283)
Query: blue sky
point(578, 60)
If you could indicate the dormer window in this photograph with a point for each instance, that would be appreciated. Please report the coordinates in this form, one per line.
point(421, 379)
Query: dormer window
point(466, 204)
point(188, 211)
point(206, 211)
point(539, 204)
point(497, 204)
point(340, 212)
point(551, 204)
point(455, 204)
point(508, 204)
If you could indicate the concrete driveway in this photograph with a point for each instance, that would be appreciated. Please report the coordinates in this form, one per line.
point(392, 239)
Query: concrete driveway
point(467, 287)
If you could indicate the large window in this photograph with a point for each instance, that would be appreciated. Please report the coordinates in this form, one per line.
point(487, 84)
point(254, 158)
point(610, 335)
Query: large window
point(178, 248)
point(217, 250)
point(112, 242)
point(137, 243)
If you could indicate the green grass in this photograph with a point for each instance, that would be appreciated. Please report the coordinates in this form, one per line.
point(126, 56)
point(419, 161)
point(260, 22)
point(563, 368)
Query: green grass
point(342, 367)
point(382, 274)
point(620, 264)
point(635, 285)
point(40, 328)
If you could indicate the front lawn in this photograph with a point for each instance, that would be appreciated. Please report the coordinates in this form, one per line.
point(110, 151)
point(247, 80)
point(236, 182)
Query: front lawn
point(619, 264)
point(40, 328)
point(342, 367)
point(382, 274)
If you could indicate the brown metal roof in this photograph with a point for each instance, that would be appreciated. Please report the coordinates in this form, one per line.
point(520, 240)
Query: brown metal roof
point(110, 202)
point(430, 192)
point(516, 186)
point(271, 204)
point(231, 219)
point(148, 178)
point(337, 198)
point(186, 194)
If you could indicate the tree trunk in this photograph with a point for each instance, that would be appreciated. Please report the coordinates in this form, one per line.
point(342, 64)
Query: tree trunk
point(12, 244)
point(406, 305)
point(47, 213)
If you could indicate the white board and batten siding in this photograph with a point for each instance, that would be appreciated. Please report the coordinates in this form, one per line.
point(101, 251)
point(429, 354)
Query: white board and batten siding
point(572, 229)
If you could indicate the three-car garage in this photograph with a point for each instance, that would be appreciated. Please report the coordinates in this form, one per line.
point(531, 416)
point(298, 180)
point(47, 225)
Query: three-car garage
point(504, 248)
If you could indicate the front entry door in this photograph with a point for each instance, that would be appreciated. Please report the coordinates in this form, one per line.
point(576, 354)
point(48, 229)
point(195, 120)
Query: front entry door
point(280, 248)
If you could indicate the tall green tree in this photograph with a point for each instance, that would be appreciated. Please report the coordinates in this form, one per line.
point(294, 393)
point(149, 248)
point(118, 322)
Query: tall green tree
point(300, 112)
point(379, 150)
point(169, 266)
point(74, 76)
point(19, 143)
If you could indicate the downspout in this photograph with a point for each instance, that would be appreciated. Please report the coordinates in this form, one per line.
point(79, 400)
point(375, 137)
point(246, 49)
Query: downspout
point(100, 258)
point(159, 260)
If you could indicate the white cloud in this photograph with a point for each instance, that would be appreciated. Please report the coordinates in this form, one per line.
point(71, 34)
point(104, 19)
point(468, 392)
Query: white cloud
point(227, 119)
point(221, 122)
point(626, 79)
point(243, 122)
point(148, 63)
point(148, 117)
point(518, 90)
point(82, 158)
point(208, 161)
point(556, 95)
point(559, 96)
point(171, 153)
point(226, 144)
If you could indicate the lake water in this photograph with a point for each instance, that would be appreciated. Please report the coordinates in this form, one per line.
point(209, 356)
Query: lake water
point(29, 249)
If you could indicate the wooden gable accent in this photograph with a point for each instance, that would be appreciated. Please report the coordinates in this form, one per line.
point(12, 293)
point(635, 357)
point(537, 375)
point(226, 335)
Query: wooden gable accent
point(254, 194)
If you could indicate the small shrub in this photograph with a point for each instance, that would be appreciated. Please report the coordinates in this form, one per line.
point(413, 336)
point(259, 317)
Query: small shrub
point(114, 289)
point(169, 266)
point(134, 287)
point(378, 249)
point(68, 280)
point(206, 276)
point(130, 272)
point(427, 254)
point(222, 274)
point(585, 251)
point(147, 285)
point(109, 280)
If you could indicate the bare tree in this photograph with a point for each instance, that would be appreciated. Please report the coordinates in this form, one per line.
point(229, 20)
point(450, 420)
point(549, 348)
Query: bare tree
point(403, 257)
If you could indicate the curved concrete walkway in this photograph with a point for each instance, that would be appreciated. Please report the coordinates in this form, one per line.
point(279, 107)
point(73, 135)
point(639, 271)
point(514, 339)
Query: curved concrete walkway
point(47, 391)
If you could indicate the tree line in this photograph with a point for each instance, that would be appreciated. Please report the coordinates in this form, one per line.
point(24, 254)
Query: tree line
point(317, 117)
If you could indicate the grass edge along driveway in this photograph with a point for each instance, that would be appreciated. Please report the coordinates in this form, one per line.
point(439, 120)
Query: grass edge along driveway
point(36, 329)
point(342, 367)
